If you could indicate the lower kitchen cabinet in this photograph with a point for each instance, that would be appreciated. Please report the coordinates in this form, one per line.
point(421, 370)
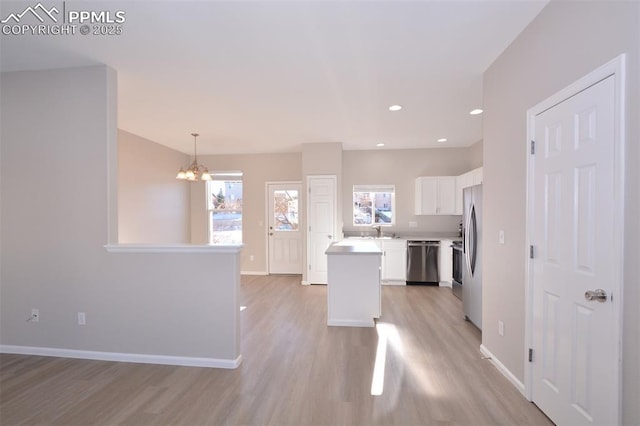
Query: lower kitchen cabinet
point(394, 260)
point(393, 269)
point(446, 263)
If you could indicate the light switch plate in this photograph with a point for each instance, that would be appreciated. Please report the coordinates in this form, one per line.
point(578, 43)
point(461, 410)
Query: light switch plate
point(501, 236)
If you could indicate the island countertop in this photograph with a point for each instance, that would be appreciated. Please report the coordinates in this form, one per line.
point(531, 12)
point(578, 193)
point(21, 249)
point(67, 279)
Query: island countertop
point(354, 247)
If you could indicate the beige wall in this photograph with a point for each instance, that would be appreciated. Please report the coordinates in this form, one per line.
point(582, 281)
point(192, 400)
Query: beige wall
point(401, 168)
point(56, 222)
point(475, 155)
point(565, 42)
point(198, 208)
point(350, 167)
point(153, 207)
point(257, 169)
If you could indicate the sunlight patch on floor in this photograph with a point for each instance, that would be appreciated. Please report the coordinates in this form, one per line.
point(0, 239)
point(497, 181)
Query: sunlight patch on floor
point(387, 336)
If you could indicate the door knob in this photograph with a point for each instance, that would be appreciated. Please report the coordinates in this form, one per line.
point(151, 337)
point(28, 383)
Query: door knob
point(270, 233)
point(329, 236)
point(598, 295)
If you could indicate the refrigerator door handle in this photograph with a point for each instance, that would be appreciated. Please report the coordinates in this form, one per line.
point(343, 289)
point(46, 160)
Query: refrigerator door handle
point(474, 240)
point(464, 239)
point(470, 241)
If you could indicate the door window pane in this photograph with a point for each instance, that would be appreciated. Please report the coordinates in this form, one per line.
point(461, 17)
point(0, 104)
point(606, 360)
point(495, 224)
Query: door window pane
point(285, 210)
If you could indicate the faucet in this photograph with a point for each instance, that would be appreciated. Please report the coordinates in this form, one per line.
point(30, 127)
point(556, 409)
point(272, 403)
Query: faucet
point(378, 231)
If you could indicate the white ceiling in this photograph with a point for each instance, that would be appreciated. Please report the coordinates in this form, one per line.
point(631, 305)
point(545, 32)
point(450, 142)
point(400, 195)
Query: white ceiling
point(268, 76)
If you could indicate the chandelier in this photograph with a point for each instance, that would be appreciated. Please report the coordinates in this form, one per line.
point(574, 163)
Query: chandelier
point(195, 171)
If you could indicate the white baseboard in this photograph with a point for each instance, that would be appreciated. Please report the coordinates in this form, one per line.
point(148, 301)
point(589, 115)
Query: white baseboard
point(253, 273)
point(123, 357)
point(351, 323)
point(393, 282)
point(501, 368)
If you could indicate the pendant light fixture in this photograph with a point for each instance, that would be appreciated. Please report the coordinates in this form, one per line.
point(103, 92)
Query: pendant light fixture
point(195, 171)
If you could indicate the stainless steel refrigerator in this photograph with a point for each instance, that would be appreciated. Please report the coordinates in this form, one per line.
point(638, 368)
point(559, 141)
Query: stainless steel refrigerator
point(472, 254)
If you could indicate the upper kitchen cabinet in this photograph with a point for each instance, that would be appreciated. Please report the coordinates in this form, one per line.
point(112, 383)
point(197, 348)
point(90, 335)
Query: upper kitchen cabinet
point(471, 178)
point(435, 195)
point(476, 176)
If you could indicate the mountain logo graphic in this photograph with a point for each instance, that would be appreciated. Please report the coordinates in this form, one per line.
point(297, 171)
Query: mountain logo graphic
point(38, 11)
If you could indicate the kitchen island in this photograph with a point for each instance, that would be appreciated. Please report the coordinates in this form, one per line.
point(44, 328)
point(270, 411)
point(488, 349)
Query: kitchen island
point(353, 291)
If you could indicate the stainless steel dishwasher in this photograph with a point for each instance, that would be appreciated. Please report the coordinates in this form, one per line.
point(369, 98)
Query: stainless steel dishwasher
point(422, 262)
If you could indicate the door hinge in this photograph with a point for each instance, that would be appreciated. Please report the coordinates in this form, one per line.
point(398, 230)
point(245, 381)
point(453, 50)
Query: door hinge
point(530, 252)
point(533, 147)
point(530, 355)
point(309, 266)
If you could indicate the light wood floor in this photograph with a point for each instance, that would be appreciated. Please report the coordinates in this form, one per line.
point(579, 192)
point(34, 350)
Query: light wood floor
point(296, 371)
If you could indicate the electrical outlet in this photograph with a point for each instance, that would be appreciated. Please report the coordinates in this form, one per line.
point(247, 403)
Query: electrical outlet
point(82, 319)
point(500, 328)
point(35, 315)
point(413, 224)
point(251, 258)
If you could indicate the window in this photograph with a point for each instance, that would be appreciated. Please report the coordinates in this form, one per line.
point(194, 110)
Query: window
point(373, 205)
point(224, 205)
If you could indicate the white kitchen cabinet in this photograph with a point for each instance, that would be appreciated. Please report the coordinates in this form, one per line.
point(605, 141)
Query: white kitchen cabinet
point(394, 260)
point(393, 269)
point(354, 296)
point(446, 263)
point(476, 176)
point(435, 195)
point(471, 178)
point(462, 181)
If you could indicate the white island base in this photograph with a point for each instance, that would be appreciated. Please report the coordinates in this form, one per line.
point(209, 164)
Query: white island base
point(353, 290)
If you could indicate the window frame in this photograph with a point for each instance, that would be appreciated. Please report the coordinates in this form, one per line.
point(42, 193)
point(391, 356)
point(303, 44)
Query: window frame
point(374, 189)
point(226, 177)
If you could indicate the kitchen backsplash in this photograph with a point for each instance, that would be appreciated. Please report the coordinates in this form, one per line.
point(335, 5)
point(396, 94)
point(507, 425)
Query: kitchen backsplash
point(437, 226)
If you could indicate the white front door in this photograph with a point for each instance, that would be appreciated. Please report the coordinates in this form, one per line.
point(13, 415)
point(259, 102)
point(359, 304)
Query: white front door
point(322, 225)
point(576, 197)
point(285, 236)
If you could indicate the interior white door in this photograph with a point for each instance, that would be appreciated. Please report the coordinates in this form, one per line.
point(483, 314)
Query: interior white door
point(322, 219)
point(575, 373)
point(285, 236)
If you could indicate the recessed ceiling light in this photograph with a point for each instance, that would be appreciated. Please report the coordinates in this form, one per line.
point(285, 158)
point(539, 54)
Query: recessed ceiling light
point(379, 144)
point(395, 107)
point(442, 140)
point(476, 111)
